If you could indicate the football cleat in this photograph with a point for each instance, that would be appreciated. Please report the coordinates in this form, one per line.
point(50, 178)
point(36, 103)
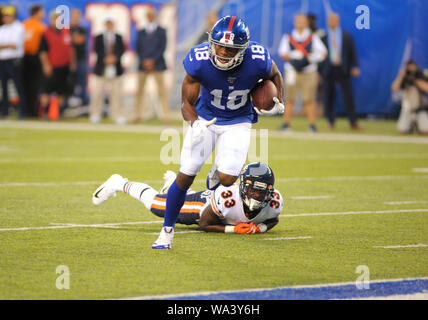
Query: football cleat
point(164, 240)
point(169, 178)
point(213, 180)
point(108, 189)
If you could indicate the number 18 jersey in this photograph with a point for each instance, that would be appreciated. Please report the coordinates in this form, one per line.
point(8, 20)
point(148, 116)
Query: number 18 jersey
point(225, 94)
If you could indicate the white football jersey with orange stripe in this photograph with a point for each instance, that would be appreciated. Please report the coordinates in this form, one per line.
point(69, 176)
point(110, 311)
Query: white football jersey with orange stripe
point(227, 204)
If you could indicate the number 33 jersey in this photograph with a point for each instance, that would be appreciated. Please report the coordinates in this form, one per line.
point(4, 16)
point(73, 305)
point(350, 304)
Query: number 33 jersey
point(227, 204)
point(226, 94)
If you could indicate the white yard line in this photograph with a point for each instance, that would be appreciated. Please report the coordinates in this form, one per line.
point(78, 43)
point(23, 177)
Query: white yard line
point(113, 224)
point(275, 157)
point(412, 296)
point(311, 197)
point(402, 246)
point(403, 202)
point(351, 213)
point(297, 179)
point(71, 225)
point(424, 170)
point(287, 238)
point(324, 285)
point(177, 232)
point(81, 159)
point(157, 129)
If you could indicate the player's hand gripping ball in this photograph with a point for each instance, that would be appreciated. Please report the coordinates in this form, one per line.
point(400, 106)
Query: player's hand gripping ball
point(264, 97)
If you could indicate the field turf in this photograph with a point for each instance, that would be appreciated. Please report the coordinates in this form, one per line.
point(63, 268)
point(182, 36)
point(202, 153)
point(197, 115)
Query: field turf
point(346, 202)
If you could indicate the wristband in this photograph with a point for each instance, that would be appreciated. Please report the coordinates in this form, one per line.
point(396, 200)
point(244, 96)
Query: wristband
point(229, 229)
point(262, 227)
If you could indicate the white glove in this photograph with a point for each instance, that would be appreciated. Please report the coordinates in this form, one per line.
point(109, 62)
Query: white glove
point(278, 108)
point(198, 129)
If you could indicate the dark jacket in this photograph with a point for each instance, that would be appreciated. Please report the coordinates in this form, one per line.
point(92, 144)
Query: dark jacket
point(152, 46)
point(100, 50)
point(348, 56)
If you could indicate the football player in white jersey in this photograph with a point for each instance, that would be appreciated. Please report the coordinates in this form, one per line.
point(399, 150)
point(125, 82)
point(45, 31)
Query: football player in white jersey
point(252, 206)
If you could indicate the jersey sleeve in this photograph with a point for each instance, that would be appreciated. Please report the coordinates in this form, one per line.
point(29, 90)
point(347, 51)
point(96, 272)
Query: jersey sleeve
point(276, 204)
point(261, 58)
point(193, 61)
point(223, 201)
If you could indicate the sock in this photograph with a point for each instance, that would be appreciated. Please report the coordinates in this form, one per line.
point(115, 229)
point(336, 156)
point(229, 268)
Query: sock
point(140, 191)
point(174, 201)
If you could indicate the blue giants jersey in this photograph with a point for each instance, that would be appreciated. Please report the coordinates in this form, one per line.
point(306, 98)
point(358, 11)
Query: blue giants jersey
point(226, 94)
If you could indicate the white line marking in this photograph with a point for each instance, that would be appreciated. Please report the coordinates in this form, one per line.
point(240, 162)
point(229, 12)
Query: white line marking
point(277, 157)
point(402, 246)
point(70, 225)
point(107, 225)
point(351, 212)
point(58, 184)
point(351, 178)
point(157, 129)
point(411, 296)
point(286, 238)
point(264, 289)
point(350, 156)
point(297, 179)
point(403, 202)
point(311, 197)
point(69, 159)
point(176, 232)
point(347, 137)
point(420, 170)
point(48, 184)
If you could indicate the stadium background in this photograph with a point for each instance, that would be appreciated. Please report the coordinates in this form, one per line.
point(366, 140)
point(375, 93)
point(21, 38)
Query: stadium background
point(397, 32)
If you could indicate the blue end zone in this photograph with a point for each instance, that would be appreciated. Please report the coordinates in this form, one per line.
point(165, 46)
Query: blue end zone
point(346, 291)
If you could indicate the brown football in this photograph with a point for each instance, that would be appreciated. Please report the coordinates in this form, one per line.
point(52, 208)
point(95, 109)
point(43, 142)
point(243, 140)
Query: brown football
point(262, 95)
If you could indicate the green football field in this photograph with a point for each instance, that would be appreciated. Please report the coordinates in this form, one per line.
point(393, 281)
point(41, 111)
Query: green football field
point(351, 199)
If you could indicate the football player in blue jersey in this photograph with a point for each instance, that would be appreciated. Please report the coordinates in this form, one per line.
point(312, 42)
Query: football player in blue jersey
point(216, 103)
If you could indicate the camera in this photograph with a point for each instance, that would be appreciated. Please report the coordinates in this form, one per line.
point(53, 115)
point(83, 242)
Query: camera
point(411, 76)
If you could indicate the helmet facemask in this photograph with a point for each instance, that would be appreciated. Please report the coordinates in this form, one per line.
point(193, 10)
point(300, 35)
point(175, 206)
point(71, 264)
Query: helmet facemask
point(255, 195)
point(232, 62)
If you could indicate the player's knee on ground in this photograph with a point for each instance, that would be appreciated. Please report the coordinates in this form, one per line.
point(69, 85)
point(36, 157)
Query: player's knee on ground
point(226, 180)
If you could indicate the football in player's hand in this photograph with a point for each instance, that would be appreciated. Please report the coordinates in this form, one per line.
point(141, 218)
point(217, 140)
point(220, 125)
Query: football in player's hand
point(262, 95)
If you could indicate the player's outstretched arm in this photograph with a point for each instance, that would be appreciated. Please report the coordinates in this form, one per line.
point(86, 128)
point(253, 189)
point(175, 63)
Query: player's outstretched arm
point(209, 222)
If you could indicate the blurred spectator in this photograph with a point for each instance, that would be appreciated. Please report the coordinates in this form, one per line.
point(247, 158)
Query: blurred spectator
point(212, 18)
point(413, 84)
point(58, 60)
point(340, 66)
point(109, 48)
point(312, 18)
point(78, 37)
point(32, 69)
point(301, 50)
point(151, 45)
point(11, 53)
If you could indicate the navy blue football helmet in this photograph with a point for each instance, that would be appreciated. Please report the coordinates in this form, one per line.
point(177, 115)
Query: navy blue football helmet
point(230, 32)
point(256, 187)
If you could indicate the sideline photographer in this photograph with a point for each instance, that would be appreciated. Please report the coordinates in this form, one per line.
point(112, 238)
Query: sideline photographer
point(413, 84)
